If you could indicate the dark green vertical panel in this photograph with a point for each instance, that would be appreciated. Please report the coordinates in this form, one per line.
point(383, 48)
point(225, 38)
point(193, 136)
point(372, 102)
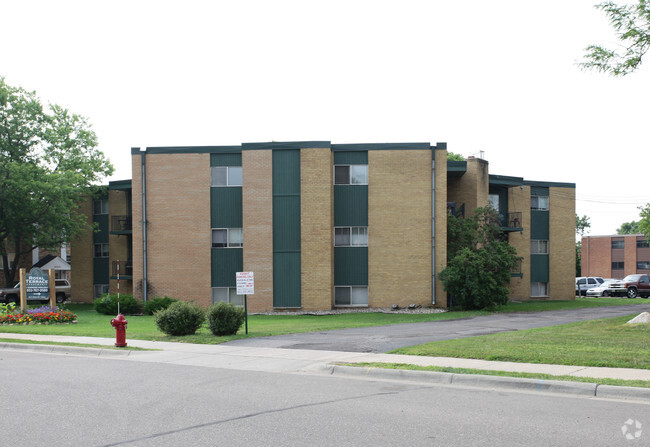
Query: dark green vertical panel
point(351, 266)
point(539, 191)
point(539, 227)
point(225, 263)
point(286, 279)
point(225, 159)
point(102, 235)
point(226, 207)
point(100, 271)
point(539, 269)
point(503, 199)
point(351, 205)
point(286, 228)
point(351, 157)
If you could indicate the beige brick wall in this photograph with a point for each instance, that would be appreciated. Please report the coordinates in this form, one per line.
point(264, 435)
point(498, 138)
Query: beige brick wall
point(178, 226)
point(118, 244)
point(81, 253)
point(562, 263)
point(399, 227)
point(472, 187)
point(519, 201)
point(257, 196)
point(316, 222)
point(440, 201)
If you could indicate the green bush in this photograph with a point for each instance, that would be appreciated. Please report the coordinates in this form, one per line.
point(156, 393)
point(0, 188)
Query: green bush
point(156, 304)
point(107, 305)
point(180, 318)
point(225, 318)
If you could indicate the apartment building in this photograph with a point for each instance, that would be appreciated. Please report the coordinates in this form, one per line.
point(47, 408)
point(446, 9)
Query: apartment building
point(615, 256)
point(320, 225)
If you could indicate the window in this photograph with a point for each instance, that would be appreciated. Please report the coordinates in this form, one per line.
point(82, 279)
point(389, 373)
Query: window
point(618, 244)
point(539, 203)
point(538, 289)
point(618, 265)
point(100, 206)
point(227, 295)
point(227, 238)
point(643, 265)
point(226, 176)
point(100, 290)
point(351, 236)
point(538, 247)
point(101, 250)
point(351, 295)
point(493, 201)
point(642, 244)
point(350, 174)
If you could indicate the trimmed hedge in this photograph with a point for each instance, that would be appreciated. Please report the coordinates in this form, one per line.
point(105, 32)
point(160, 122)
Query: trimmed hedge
point(107, 305)
point(180, 318)
point(225, 318)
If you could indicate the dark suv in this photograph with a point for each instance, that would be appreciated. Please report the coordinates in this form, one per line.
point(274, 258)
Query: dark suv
point(632, 286)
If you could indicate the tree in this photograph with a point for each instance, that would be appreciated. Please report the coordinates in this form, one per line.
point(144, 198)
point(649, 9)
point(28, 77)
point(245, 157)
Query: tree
point(451, 156)
point(582, 223)
point(628, 228)
point(632, 26)
point(48, 158)
point(480, 262)
point(644, 223)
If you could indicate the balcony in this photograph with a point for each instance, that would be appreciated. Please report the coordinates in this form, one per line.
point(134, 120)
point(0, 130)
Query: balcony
point(126, 269)
point(121, 225)
point(511, 222)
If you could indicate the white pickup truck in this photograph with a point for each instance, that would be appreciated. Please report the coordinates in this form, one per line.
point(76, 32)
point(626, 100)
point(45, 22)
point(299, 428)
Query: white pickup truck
point(12, 294)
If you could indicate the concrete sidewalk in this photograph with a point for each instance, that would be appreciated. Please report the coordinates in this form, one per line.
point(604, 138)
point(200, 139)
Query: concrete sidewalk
point(318, 361)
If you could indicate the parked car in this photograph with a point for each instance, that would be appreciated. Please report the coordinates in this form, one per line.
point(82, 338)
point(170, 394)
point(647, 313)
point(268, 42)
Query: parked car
point(584, 283)
point(12, 294)
point(604, 289)
point(632, 286)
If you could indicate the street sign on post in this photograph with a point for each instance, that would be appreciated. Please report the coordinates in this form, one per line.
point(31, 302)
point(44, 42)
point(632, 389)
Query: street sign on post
point(245, 286)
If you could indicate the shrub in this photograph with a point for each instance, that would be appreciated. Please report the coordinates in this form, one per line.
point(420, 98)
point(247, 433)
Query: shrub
point(225, 318)
point(156, 304)
point(107, 305)
point(180, 318)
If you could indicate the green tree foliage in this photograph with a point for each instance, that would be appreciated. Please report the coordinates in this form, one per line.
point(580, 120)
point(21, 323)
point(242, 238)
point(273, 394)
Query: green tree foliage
point(582, 223)
point(48, 158)
point(480, 262)
point(451, 156)
point(628, 228)
point(644, 223)
point(632, 25)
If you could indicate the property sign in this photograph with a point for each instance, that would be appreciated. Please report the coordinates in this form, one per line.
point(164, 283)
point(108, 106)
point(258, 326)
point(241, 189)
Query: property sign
point(245, 283)
point(37, 285)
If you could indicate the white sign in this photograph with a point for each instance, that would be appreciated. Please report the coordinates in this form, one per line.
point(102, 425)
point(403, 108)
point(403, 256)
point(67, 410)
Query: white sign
point(245, 283)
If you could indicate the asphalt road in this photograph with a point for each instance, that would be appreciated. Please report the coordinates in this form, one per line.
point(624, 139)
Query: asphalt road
point(388, 338)
point(57, 400)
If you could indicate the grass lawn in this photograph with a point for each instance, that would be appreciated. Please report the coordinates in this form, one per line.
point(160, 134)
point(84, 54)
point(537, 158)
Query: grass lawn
point(607, 342)
point(92, 324)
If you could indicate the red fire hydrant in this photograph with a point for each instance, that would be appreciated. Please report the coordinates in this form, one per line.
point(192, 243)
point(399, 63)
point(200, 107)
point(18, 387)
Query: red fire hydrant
point(119, 323)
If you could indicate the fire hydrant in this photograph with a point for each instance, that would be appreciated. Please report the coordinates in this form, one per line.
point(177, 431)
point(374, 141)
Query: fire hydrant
point(119, 323)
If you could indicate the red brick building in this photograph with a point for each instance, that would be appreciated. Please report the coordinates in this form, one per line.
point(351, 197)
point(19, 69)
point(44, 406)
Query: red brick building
point(615, 256)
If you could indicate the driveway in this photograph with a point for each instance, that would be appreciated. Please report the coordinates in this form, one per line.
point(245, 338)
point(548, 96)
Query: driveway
point(387, 338)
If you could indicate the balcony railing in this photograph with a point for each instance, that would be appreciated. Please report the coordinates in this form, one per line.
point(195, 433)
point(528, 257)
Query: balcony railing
point(126, 268)
point(121, 223)
point(512, 222)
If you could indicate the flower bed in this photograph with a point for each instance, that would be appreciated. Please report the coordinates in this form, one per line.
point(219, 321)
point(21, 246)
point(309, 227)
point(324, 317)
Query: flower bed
point(41, 315)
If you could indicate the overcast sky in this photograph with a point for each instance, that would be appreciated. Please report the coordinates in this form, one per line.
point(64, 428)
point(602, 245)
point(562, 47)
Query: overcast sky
point(498, 77)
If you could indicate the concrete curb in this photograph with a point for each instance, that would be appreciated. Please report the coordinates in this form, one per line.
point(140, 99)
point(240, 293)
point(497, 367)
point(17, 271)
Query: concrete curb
point(67, 350)
point(584, 389)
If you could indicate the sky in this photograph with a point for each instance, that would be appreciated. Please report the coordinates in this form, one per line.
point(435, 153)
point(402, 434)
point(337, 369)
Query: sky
point(499, 77)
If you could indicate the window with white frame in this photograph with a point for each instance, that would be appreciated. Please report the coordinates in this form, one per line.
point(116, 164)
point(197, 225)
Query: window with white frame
point(351, 236)
point(227, 295)
point(101, 250)
point(227, 238)
point(350, 174)
point(351, 295)
point(493, 201)
point(538, 289)
point(100, 206)
point(226, 175)
point(539, 203)
point(100, 290)
point(538, 247)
